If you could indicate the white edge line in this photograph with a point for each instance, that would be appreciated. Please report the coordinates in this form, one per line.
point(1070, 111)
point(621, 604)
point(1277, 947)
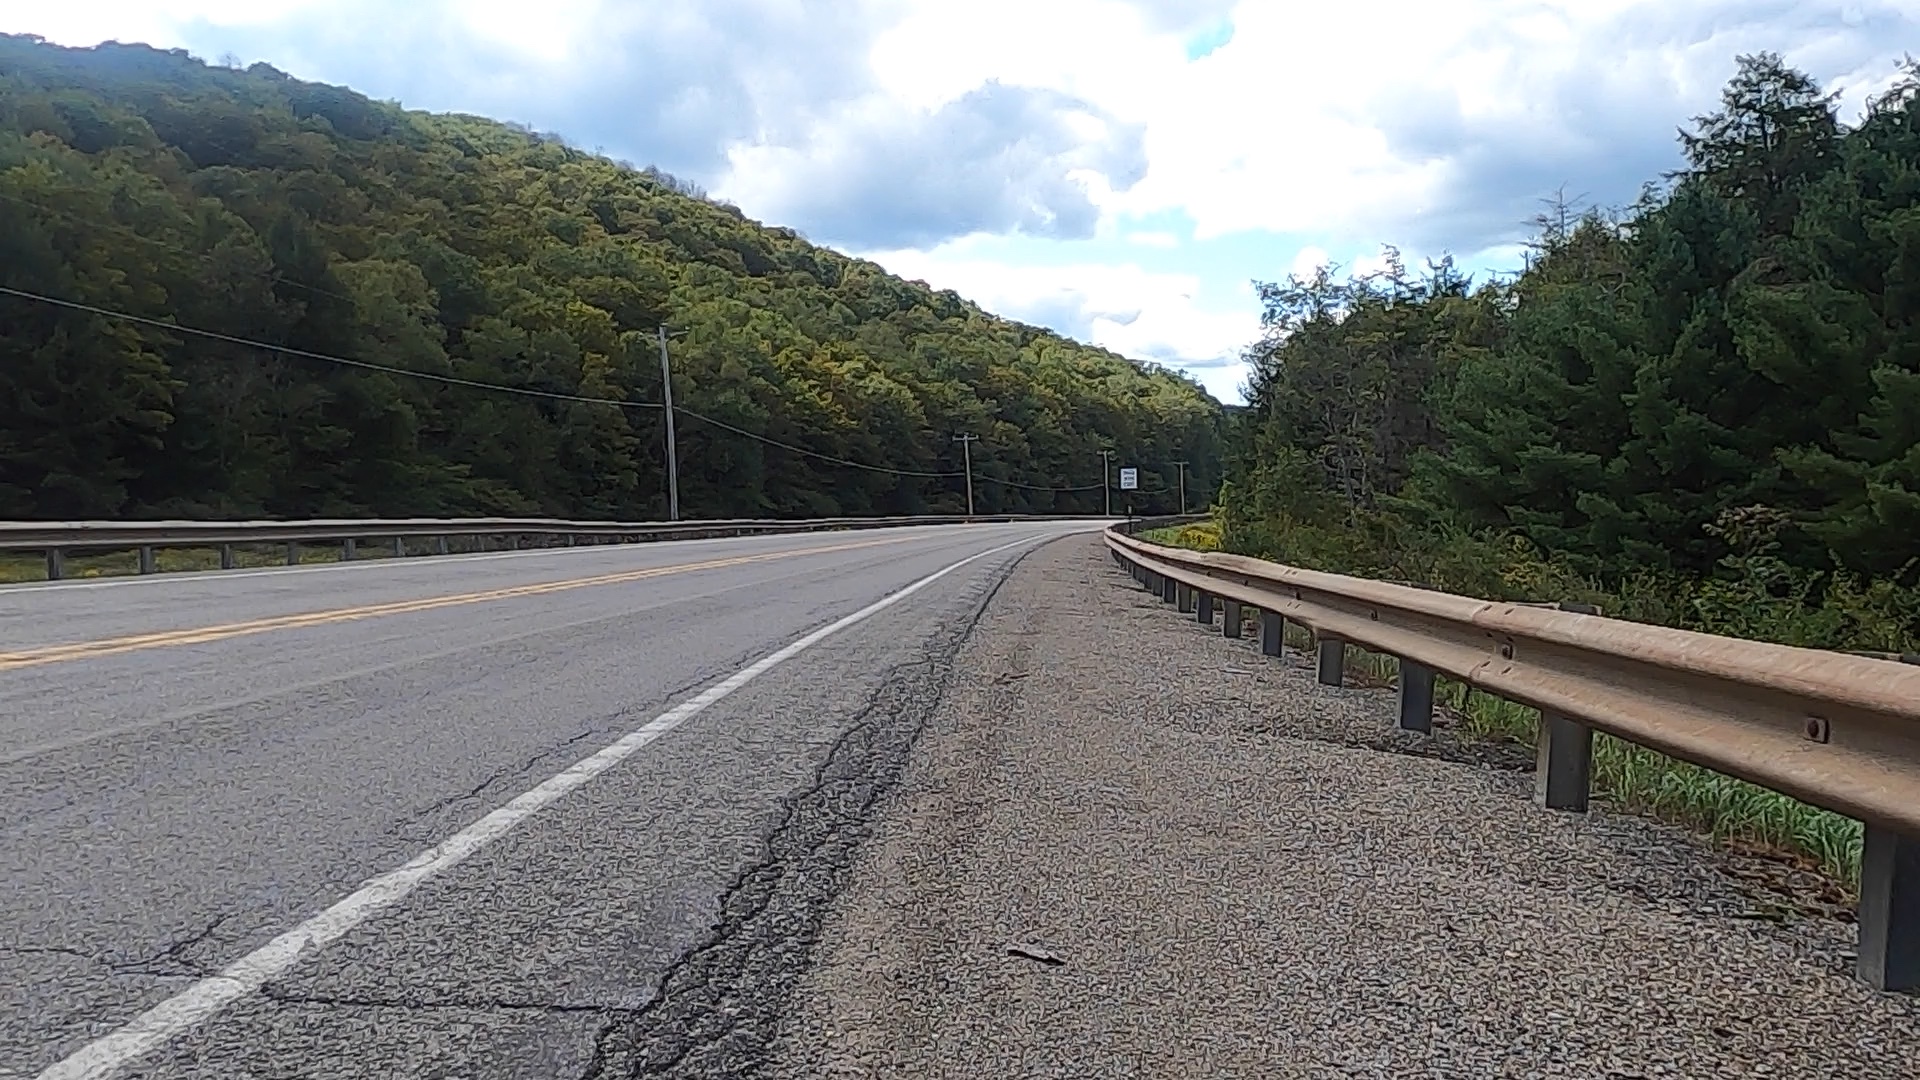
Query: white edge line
point(107, 1055)
point(417, 561)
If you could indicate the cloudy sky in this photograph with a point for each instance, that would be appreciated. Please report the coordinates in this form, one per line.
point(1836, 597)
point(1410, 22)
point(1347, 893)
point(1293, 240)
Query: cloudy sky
point(1118, 170)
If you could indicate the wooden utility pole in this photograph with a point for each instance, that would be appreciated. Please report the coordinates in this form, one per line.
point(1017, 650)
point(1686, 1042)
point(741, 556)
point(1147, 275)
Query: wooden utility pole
point(966, 449)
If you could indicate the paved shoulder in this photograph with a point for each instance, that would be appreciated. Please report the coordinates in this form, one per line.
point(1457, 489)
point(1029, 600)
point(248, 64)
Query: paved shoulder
point(1126, 847)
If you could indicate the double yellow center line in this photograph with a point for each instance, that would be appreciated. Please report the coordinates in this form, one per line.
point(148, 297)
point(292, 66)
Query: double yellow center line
point(82, 650)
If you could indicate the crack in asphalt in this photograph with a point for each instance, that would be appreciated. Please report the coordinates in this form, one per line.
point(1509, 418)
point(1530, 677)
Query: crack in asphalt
point(609, 727)
point(335, 1001)
point(718, 1006)
point(171, 954)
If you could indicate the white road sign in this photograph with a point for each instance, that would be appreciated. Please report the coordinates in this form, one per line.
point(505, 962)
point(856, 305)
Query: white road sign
point(1129, 479)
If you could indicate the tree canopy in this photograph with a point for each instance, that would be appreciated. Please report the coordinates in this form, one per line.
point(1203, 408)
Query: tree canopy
point(1729, 366)
point(234, 293)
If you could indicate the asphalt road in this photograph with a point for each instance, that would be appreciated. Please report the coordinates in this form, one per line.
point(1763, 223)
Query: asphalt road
point(327, 821)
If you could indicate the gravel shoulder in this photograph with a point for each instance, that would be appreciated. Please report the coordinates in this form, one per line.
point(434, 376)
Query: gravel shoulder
point(1237, 876)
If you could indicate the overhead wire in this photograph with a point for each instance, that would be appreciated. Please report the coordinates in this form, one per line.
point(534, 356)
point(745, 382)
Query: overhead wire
point(453, 380)
point(231, 339)
point(683, 411)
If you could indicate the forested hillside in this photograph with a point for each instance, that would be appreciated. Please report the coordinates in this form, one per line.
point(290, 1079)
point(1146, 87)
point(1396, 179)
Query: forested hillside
point(397, 259)
point(1703, 410)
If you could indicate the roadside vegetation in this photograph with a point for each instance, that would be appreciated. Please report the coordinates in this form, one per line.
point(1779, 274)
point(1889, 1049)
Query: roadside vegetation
point(1697, 411)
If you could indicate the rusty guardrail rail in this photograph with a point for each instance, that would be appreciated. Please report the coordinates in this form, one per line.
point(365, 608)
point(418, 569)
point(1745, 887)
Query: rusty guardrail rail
point(1836, 730)
point(56, 538)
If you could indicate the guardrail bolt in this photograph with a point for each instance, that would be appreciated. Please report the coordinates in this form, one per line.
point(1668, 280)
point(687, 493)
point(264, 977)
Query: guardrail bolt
point(1203, 607)
point(1889, 910)
point(1416, 697)
point(1333, 661)
point(1818, 729)
point(1273, 633)
point(1232, 619)
point(1506, 650)
point(1563, 764)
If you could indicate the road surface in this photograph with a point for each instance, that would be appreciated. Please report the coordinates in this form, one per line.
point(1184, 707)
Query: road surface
point(449, 816)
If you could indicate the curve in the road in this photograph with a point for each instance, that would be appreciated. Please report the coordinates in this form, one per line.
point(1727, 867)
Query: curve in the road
point(204, 998)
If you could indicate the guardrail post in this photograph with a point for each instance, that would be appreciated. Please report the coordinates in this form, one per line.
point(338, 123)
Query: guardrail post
point(1273, 633)
point(1231, 618)
point(1416, 697)
point(439, 545)
point(1333, 661)
point(513, 542)
point(1203, 607)
point(226, 556)
point(1169, 590)
point(1183, 598)
point(399, 547)
point(1889, 910)
point(146, 559)
point(1563, 765)
point(56, 564)
point(346, 550)
point(293, 553)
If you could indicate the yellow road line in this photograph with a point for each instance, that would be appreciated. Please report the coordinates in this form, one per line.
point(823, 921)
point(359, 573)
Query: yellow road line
point(80, 650)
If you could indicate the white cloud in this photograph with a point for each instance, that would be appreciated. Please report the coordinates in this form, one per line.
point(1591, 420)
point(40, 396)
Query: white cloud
point(1434, 126)
point(996, 159)
point(155, 22)
point(1125, 307)
point(1308, 260)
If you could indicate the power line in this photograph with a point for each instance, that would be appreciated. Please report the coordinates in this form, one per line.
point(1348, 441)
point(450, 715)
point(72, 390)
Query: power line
point(1037, 487)
point(684, 411)
point(453, 380)
point(310, 355)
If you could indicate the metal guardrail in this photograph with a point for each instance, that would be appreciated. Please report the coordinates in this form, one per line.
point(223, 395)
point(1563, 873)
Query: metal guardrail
point(58, 538)
point(1835, 730)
